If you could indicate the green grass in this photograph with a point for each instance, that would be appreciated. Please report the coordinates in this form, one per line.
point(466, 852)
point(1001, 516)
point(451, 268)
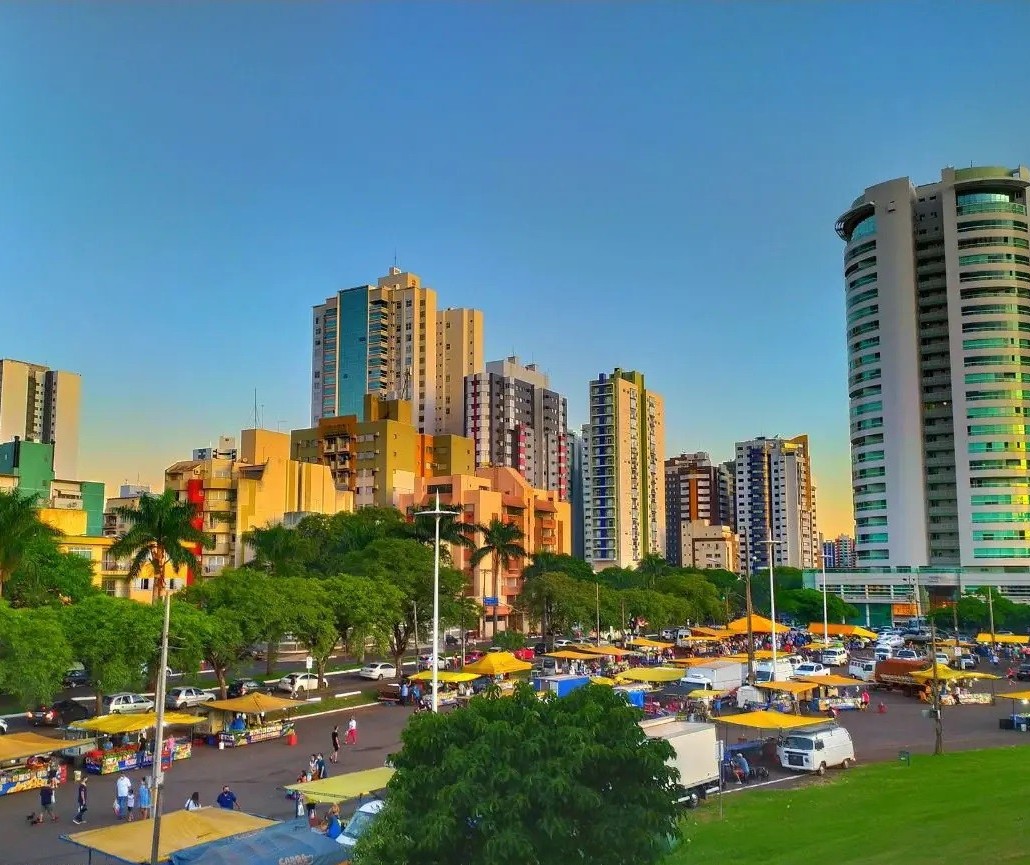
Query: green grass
point(966, 807)
point(329, 704)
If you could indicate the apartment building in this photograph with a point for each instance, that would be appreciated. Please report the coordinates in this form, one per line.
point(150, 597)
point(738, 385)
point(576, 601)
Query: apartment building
point(695, 489)
point(39, 404)
point(839, 552)
point(706, 546)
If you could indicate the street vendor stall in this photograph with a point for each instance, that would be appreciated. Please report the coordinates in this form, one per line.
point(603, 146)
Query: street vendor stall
point(832, 630)
point(955, 686)
point(340, 788)
point(241, 721)
point(784, 695)
point(180, 830)
point(762, 721)
point(497, 664)
point(26, 761)
point(841, 693)
point(452, 685)
point(650, 674)
point(123, 747)
point(759, 625)
point(997, 639)
point(1020, 717)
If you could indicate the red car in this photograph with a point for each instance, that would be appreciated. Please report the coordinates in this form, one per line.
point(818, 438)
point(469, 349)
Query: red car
point(472, 656)
point(525, 654)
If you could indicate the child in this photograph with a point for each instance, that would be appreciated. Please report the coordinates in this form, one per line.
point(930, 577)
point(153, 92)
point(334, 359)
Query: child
point(144, 799)
point(130, 803)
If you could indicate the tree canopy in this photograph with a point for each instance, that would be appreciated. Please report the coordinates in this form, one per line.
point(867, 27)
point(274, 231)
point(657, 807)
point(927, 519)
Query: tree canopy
point(20, 529)
point(509, 781)
point(34, 653)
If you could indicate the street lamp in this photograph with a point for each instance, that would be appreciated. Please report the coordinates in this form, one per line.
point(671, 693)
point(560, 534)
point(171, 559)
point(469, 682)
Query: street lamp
point(434, 657)
point(826, 626)
point(770, 543)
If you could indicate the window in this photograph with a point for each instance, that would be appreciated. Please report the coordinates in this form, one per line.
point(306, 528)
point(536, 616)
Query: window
point(81, 552)
point(981, 224)
point(1001, 553)
point(868, 294)
point(993, 258)
point(864, 228)
point(862, 280)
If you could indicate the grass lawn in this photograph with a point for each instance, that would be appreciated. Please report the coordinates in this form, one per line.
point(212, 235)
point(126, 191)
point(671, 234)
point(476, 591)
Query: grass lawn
point(964, 807)
point(329, 704)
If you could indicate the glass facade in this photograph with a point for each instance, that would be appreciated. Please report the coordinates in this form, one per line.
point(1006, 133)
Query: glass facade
point(352, 365)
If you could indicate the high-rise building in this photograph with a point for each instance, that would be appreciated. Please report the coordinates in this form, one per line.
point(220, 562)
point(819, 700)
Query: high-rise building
point(39, 404)
point(706, 546)
point(516, 421)
point(623, 472)
point(389, 340)
point(938, 335)
point(575, 449)
point(224, 450)
point(839, 552)
point(776, 502)
point(695, 489)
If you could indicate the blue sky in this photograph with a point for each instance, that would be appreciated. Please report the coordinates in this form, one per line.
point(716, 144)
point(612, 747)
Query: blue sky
point(645, 185)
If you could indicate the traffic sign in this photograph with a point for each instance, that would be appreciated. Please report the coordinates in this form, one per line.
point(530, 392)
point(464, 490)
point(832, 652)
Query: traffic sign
point(490, 602)
point(309, 662)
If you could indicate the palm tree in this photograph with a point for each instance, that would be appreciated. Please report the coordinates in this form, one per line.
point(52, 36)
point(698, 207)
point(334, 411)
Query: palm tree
point(161, 531)
point(650, 568)
point(502, 541)
point(453, 532)
point(277, 549)
point(20, 527)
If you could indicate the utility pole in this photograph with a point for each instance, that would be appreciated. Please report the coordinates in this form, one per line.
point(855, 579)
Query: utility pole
point(597, 602)
point(750, 632)
point(935, 702)
point(990, 612)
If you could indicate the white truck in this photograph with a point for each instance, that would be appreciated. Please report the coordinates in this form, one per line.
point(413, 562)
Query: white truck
point(715, 676)
point(766, 672)
point(696, 757)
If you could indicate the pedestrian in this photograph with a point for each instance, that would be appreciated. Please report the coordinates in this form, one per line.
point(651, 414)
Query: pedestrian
point(313, 766)
point(80, 799)
point(143, 799)
point(335, 756)
point(130, 802)
point(404, 693)
point(865, 700)
point(46, 804)
point(193, 803)
point(227, 799)
point(121, 788)
point(352, 731)
point(323, 771)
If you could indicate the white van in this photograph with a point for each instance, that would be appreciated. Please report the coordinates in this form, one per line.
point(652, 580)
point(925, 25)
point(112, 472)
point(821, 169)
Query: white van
point(814, 750)
point(862, 669)
point(834, 656)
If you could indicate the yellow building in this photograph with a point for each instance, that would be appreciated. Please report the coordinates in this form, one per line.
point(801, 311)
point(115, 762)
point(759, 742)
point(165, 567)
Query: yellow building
point(498, 493)
point(459, 352)
point(263, 486)
point(703, 545)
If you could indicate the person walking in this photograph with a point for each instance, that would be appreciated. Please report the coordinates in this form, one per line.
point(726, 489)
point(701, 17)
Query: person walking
point(130, 802)
point(121, 788)
point(335, 756)
point(143, 799)
point(46, 804)
point(323, 771)
point(80, 800)
point(227, 799)
point(352, 731)
point(193, 803)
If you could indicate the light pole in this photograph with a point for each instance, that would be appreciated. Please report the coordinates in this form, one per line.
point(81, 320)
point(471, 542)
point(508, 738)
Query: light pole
point(159, 726)
point(770, 543)
point(434, 656)
point(826, 626)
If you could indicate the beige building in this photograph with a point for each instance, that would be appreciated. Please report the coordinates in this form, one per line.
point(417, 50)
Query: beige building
point(623, 472)
point(703, 545)
point(263, 486)
point(389, 340)
point(39, 404)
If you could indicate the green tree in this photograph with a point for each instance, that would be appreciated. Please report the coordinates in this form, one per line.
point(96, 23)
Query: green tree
point(702, 599)
point(454, 532)
point(20, 530)
point(619, 578)
point(34, 654)
point(650, 568)
point(311, 620)
point(277, 550)
point(510, 640)
point(524, 780)
point(559, 602)
point(806, 605)
point(503, 543)
point(332, 538)
point(161, 532)
point(558, 563)
point(48, 577)
point(364, 611)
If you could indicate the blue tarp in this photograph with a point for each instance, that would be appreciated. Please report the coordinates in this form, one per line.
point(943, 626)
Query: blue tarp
point(284, 842)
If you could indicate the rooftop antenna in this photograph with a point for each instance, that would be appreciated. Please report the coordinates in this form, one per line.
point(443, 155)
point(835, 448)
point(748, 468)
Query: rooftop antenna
point(255, 409)
point(395, 256)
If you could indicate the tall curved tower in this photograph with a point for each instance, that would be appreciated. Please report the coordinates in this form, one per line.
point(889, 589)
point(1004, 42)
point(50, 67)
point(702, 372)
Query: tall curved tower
point(937, 282)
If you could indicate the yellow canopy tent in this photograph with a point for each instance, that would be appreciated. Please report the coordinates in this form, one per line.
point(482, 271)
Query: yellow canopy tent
point(842, 630)
point(649, 644)
point(344, 787)
point(794, 688)
point(443, 676)
point(569, 655)
point(650, 674)
point(702, 694)
point(715, 633)
point(497, 664)
point(759, 625)
point(611, 651)
point(696, 662)
point(1015, 639)
point(764, 720)
point(131, 842)
point(15, 746)
point(254, 703)
point(947, 674)
point(831, 681)
point(114, 724)
point(602, 680)
point(760, 655)
point(1012, 695)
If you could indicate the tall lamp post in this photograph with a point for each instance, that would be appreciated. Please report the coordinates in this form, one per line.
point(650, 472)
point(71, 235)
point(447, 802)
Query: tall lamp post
point(770, 544)
point(159, 726)
point(826, 624)
point(437, 513)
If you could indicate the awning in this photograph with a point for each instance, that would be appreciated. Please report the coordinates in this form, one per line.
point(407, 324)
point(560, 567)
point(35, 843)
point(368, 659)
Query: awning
point(443, 676)
point(764, 720)
point(831, 681)
point(1003, 638)
point(569, 655)
point(786, 687)
point(702, 694)
point(344, 787)
point(759, 625)
point(130, 842)
point(611, 651)
point(947, 674)
point(760, 655)
point(291, 842)
point(842, 630)
point(254, 703)
point(650, 674)
point(1017, 695)
point(717, 633)
point(602, 680)
point(650, 644)
point(497, 664)
point(113, 724)
point(15, 746)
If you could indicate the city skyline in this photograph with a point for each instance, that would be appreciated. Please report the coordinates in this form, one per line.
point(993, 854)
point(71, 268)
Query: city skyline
point(182, 218)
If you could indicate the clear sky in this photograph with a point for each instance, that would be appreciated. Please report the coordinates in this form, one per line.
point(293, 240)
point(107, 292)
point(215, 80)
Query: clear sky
point(644, 185)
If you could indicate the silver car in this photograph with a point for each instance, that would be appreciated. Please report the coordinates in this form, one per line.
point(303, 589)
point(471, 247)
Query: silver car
point(126, 704)
point(184, 698)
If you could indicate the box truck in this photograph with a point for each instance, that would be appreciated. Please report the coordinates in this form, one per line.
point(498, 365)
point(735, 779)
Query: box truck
point(696, 757)
point(715, 676)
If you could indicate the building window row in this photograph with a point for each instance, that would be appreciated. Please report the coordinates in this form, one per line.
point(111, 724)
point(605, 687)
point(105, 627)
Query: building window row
point(987, 224)
point(1001, 553)
point(996, 447)
point(1001, 517)
point(974, 242)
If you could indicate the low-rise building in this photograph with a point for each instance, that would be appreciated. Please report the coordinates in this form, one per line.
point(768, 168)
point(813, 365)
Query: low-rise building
point(703, 545)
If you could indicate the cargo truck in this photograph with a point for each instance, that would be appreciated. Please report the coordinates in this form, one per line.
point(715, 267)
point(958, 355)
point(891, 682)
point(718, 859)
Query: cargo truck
point(897, 673)
point(714, 676)
point(696, 757)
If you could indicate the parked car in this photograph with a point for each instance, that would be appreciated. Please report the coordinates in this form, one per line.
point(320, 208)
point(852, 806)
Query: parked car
point(451, 640)
point(942, 658)
point(378, 670)
point(184, 698)
point(815, 750)
point(965, 661)
point(358, 824)
point(3, 726)
point(882, 653)
point(1023, 673)
point(240, 687)
point(60, 713)
point(473, 656)
point(562, 643)
point(77, 677)
point(126, 704)
point(298, 682)
point(891, 640)
point(540, 648)
point(811, 668)
point(907, 655)
point(834, 656)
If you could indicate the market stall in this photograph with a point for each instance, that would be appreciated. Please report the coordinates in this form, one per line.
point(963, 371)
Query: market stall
point(841, 693)
point(123, 744)
point(832, 630)
point(341, 788)
point(26, 761)
point(452, 685)
point(956, 686)
point(242, 720)
point(1020, 717)
point(651, 675)
point(279, 844)
point(759, 625)
point(781, 695)
point(762, 722)
point(999, 639)
point(180, 830)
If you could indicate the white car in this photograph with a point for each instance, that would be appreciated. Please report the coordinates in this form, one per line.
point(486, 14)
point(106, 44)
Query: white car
point(892, 641)
point(3, 726)
point(795, 660)
point(943, 658)
point(561, 644)
point(378, 671)
point(358, 824)
point(907, 655)
point(811, 668)
point(127, 704)
point(182, 698)
point(298, 682)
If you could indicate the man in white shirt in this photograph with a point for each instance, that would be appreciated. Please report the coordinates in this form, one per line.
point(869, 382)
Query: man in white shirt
point(122, 787)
